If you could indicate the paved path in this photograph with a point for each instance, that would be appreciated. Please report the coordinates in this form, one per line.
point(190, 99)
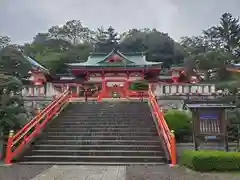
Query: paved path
point(164, 172)
point(83, 173)
point(21, 172)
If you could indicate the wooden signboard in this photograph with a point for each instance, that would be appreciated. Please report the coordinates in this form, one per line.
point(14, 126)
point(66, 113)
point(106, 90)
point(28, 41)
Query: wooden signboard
point(209, 123)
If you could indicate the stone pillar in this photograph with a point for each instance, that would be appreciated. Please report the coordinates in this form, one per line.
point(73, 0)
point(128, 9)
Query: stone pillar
point(180, 89)
point(39, 90)
point(212, 89)
point(173, 89)
point(31, 89)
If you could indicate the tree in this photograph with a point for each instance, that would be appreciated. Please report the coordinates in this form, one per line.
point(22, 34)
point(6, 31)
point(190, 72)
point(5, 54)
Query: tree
point(4, 41)
point(12, 112)
point(158, 46)
point(216, 48)
point(194, 45)
point(13, 61)
point(226, 35)
point(56, 32)
point(41, 38)
point(133, 41)
point(106, 40)
point(75, 31)
point(234, 126)
point(229, 32)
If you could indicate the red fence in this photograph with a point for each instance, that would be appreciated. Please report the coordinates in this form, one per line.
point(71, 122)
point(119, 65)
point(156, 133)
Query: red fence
point(17, 142)
point(168, 136)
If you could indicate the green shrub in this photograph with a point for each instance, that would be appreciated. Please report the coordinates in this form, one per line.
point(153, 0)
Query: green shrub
point(139, 85)
point(180, 122)
point(210, 160)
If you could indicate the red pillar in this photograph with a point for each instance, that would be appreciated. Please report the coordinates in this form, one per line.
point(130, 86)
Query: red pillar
point(104, 88)
point(126, 86)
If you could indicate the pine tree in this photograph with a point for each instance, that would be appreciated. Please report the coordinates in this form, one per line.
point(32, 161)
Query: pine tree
point(12, 111)
point(106, 40)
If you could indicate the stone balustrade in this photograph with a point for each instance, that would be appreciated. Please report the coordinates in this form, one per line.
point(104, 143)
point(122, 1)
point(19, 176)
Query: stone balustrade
point(184, 89)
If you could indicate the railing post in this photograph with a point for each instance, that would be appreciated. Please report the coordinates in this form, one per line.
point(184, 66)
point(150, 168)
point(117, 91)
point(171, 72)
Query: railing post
point(8, 158)
point(173, 149)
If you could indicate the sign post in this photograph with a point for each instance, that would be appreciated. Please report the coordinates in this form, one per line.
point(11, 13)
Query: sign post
point(209, 123)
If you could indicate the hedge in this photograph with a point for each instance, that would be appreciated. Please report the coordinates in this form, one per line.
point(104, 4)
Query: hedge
point(210, 160)
point(180, 122)
point(139, 85)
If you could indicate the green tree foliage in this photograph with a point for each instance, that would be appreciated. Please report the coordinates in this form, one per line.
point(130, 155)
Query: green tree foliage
point(13, 62)
point(180, 122)
point(72, 42)
point(216, 48)
point(106, 40)
point(158, 46)
point(4, 41)
point(233, 117)
point(12, 111)
point(139, 85)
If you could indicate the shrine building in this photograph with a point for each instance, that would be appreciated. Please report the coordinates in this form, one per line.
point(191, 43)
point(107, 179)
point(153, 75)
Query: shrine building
point(104, 74)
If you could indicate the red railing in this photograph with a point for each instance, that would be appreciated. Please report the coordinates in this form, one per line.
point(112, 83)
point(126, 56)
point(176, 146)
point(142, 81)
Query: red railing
point(17, 142)
point(168, 136)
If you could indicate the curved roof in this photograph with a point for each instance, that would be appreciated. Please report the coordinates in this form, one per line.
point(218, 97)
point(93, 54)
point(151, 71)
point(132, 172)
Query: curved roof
point(131, 60)
point(35, 63)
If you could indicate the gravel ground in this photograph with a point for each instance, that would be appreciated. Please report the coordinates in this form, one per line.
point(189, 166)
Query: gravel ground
point(175, 173)
point(21, 172)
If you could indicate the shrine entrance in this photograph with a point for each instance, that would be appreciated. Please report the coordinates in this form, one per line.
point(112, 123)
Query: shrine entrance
point(114, 89)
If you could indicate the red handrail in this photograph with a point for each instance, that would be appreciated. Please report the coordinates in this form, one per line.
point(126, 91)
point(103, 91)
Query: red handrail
point(17, 142)
point(168, 136)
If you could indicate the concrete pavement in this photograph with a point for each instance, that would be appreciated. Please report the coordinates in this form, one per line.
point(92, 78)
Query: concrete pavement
point(83, 173)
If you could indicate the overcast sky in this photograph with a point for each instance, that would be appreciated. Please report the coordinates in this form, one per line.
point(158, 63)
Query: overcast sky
point(23, 19)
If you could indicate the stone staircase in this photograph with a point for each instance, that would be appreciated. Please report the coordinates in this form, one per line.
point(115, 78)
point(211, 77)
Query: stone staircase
point(104, 133)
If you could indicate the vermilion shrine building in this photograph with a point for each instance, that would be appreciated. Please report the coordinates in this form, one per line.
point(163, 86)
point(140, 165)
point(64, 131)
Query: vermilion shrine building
point(104, 74)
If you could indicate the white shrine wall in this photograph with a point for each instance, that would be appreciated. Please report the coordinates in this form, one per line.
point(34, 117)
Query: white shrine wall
point(184, 89)
point(47, 90)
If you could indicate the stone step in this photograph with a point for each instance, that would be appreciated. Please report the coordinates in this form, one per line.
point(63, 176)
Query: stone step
point(95, 159)
point(113, 129)
point(98, 147)
point(77, 133)
point(86, 123)
point(96, 152)
point(102, 128)
point(90, 163)
point(98, 142)
point(105, 121)
point(100, 133)
point(87, 126)
point(104, 118)
point(144, 138)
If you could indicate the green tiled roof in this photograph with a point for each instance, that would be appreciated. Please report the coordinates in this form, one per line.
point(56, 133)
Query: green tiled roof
point(133, 60)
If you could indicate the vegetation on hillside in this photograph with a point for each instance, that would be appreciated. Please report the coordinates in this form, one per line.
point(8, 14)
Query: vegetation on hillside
point(72, 42)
